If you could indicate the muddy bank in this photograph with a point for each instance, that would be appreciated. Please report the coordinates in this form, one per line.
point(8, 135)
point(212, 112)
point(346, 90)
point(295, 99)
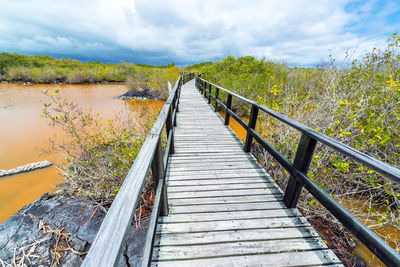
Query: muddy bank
point(60, 229)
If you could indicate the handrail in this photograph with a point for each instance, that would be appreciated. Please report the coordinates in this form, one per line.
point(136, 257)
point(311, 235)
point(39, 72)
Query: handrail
point(107, 246)
point(299, 168)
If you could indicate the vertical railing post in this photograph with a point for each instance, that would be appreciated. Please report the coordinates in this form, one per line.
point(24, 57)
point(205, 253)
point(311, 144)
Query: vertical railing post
point(170, 130)
point(216, 98)
point(173, 110)
point(228, 107)
point(158, 172)
point(301, 162)
point(174, 113)
point(251, 125)
point(209, 93)
point(179, 97)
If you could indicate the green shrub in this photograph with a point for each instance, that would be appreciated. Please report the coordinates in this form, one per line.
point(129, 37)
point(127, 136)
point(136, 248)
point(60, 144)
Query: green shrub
point(98, 155)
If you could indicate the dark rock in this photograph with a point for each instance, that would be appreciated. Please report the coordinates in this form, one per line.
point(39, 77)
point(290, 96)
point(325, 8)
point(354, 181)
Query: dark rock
point(141, 94)
point(78, 217)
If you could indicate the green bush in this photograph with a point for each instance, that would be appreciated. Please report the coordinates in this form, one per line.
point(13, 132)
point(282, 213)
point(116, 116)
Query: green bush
point(98, 155)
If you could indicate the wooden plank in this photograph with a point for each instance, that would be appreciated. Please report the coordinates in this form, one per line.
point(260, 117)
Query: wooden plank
point(231, 215)
point(219, 193)
point(305, 258)
point(201, 188)
point(216, 181)
point(233, 172)
point(225, 199)
point(222, 143)
point(205, 150)
point(217, 176)
point(209, 148)
point(210, 157)
point(202, 129)
point(241, 160)
point(228, 166)
point(268, 223)
point(204, 134)
point(233, 236)
point(207, 141)
point(168, 253)
point(209, 161)
point(216, 208)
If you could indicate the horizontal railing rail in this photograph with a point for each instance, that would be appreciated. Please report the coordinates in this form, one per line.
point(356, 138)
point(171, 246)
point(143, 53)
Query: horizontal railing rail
point(299, 168)
point(108, 244)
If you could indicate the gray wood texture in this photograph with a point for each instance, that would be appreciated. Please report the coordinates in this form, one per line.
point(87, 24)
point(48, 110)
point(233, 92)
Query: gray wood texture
point(224, 209)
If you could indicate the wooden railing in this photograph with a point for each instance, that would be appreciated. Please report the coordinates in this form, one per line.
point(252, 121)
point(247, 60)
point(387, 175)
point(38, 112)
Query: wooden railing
point(299, 168)
point(108, 244)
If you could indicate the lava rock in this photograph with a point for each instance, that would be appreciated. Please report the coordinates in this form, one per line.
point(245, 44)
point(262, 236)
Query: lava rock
point(32, 229)
point(141, 94)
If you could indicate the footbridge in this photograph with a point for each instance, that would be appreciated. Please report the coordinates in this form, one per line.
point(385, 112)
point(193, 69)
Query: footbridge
point(214, 204)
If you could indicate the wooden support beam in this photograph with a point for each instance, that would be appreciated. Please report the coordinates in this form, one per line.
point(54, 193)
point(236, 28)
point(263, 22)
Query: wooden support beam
point(251, 125)
point(301, 162)
point(216, 99)
point(158, 172)
point(228, 107)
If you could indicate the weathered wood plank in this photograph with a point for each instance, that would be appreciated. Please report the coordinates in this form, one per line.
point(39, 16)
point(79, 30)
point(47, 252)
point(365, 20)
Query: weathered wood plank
point(233, 236)
point(185, 151)
point(216, 145)
point(305, 258)
point(218, 176)
point(209, 157)
point(229, 215)
point(216, 181)
point(210, 161)
point(233, 172)
point(228, 166)
point(225, 187)
point(222, 207)
point(219, 193)
point(225, 199)
point(192, 227)
point(165, 253)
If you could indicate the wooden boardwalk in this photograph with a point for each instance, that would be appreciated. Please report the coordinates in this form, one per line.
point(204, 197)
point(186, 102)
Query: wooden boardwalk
point(224, 208)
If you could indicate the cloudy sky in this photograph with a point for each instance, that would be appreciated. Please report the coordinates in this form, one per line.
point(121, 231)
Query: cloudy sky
point(300, 32)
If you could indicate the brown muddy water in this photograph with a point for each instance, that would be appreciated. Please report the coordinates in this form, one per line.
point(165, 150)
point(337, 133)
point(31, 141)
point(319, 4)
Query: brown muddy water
point(24, 136)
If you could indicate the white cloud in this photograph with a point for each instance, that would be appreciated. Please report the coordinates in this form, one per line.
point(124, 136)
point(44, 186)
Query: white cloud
point(301, 32)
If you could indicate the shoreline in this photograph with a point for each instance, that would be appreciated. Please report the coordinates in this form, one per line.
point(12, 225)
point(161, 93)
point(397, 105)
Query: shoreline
point(28, 83)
